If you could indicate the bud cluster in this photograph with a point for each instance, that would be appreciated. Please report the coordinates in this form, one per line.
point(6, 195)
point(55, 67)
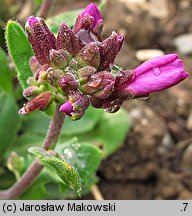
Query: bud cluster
point(77, 68)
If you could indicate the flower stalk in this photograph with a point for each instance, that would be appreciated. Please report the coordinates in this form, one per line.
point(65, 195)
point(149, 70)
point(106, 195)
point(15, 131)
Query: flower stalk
point(33, 171)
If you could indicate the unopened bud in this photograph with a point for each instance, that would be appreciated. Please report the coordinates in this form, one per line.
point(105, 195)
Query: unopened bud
point(109, 49)
point(99, 85)
point(31, 81)
point(53, 76)
point(32, 91)
point(38, 103)
point(41, 38)
point(67, 39)
point(41, 74)
point(84, 73)
point(68, 83)
point(90, 55)
point(59, 58)
point(34, 64)
point(89, 19)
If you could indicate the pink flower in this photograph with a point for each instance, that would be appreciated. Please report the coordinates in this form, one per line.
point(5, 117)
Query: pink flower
point(76, 105)
point(155, 75)
point(67, 108)
point(90, 19)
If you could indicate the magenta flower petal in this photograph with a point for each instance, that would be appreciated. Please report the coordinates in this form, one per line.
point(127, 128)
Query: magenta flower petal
point(32, 20)
point(158, 61)
point(22, 111)
point(67, 108)
point(90, 19)
point(155, 75)
point(93, 11)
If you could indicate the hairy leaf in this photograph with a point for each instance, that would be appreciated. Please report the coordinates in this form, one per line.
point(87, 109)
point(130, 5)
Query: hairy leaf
point(65, 171)
point(20, 50)
point(84, 157)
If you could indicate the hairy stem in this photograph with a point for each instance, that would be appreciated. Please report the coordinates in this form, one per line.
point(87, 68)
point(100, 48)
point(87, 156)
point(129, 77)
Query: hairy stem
point(45, 8)
point(32, 172)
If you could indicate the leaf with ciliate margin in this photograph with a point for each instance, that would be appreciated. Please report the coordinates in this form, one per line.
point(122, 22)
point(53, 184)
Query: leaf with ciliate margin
point(9, 121)
point(20, 51)
point(84, 157)
point(65, 171)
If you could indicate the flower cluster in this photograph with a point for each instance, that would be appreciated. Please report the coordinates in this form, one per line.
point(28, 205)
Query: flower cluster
point(77, 68)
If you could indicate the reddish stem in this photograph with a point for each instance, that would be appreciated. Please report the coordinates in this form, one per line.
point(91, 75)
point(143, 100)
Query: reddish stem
point(33, 171)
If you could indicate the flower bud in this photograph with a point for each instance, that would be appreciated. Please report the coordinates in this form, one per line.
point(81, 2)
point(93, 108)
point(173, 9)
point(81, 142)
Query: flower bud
point(41, 38)
point(34, 64)
point(31, 81)
point(40, 102)
point(76, 106)
point(74, 65)
point(32, 91)
point(59, 58)
point(84, 73)
point(99, 85)
point(68, 83)
point(109, 49)
point(154, 75)
point(67, 39)
point(53, 76)
point(89, 55)
point(89, 19)
point(41, 74)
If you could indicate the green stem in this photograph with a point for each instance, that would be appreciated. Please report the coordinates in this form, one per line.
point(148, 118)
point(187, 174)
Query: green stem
point(33, 171)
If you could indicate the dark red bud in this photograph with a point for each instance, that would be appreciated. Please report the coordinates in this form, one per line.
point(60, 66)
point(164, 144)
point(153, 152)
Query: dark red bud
point(68, 83)
point(38, 103)
point(90, 55)
point(34, 64)
point(41, 38)
point(109, 49)
point(99, 85)
point(67, 39)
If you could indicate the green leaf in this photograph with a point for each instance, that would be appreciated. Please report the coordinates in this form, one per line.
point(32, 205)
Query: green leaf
point(38, 189)
point(65, 171)
point(87, 123)
point(9, 121)
point(110, 134)
point(84, 157)
point(113, 130)
point(5, 81)
point(20, 50)
point(69, 17)
point(35, 123)
point(25, 141)
point(38, 123)
point(50, 111)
